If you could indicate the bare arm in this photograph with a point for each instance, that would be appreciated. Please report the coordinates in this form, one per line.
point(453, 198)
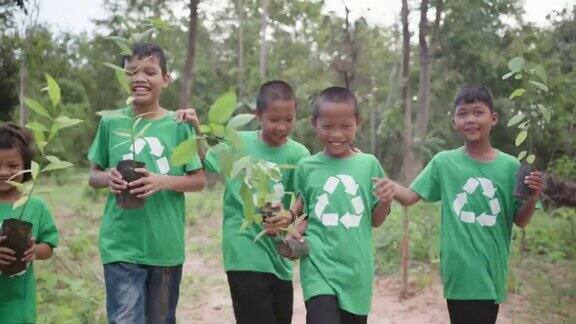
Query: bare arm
point(384, 191)
point(405, 196)
point(40, 251)
point(526, 211)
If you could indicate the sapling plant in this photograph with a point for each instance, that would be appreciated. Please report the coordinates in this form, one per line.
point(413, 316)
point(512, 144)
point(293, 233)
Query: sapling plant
point(530, 113)
point(18, 232)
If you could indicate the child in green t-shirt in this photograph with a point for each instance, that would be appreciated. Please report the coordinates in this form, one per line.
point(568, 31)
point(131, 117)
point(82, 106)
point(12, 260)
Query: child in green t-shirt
point(260, 279)
point(344, 194)
point(142, 249)
point(475, 185)
point(18, 292)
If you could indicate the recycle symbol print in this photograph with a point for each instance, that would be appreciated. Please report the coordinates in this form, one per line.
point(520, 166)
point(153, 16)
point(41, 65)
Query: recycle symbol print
point(349, 220)
point(488, 191)
point(156, 149)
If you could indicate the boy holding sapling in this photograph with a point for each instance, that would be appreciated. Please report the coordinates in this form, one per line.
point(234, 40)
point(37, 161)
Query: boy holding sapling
point(260, 279)
point(475, 184)
point(142, 249)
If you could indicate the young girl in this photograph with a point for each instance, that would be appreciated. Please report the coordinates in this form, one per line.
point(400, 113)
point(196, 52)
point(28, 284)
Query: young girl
point(336, 191)
point(18, 293)
point(260, 279)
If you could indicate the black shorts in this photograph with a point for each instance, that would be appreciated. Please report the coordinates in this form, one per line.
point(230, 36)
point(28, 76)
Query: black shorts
point(324, 309)
point(472, 311)
point(260, 298)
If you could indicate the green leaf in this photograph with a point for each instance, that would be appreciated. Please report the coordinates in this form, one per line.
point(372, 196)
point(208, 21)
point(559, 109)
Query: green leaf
point(222, 108)
point(521, 137)
point(184, 152)
point(517, 93)
point(240, 120)
point(143, 131)
point(515, 120)
point(522, 155)
point(56, 164)
point(20, 201)
point(259, 235)
point(53, 90)
point(141, 37)
point(531, 158)
point(240, 165)
point(248, 204)
point(36, 107)
point(122, 43)
point(218, 130)
point(205, 129)
point(123, 80)
point(507, 75)
point(160, 24)
point(17, 174)
point(62, 122)
point(516, 64)
point(38, 131)
point(34, 169)
point(518, 76)
point(17, 185)
point(545, 112)
point(539, 85)
point(129, 100)
point(540, 72)
point(123, 134)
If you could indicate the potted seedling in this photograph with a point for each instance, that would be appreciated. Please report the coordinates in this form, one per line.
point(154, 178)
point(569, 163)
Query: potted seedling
point(18, 232)
point(530, 114)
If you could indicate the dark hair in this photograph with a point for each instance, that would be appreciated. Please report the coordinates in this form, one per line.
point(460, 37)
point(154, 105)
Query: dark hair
point(14, 136)
point(143, 50)
point(335, 95)
point(273, 91)
point(471, 94)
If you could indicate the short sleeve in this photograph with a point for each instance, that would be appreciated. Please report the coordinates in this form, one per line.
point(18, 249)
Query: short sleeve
point(427, 183)
point(99, 151)
point(377, 172)
point(47, 233)
point(186, 132)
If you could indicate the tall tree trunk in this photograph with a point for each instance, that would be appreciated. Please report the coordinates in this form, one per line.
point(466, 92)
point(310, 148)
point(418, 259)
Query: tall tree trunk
point(240, 12)
point(188, 73)
point(21, 90)
point(408, 155)
point(263, 41)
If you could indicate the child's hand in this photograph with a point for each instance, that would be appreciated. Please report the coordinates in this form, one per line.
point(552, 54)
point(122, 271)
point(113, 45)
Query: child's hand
point(384, 189)
point(115, 182)
point(187, 115)
point(280, 218)
point(534, 182)
point(149, 184)
point(6, 254)
point(30, 254)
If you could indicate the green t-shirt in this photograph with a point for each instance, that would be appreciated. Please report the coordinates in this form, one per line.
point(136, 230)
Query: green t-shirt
point(18, 293)
point(239, 250)
point(338, 199)
point(153, 234)
point(478, 210)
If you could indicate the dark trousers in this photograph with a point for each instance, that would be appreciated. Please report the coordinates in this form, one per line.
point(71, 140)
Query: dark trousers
point(260, 298)
point(324, 309)
point(472, 311)
point(139, 294)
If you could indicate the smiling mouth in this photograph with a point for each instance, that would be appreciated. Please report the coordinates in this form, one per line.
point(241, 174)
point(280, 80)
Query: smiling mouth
point(140, 90)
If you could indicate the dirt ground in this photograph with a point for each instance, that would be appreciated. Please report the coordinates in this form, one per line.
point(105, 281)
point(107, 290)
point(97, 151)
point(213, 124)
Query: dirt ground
point(205, 297)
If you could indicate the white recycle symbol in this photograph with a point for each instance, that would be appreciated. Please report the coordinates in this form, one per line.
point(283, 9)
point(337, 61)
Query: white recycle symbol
point(489, 191)
point(331, 219)
point(156, 149)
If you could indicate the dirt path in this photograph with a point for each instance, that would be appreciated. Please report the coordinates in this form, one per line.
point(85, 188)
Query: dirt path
point(205, 298)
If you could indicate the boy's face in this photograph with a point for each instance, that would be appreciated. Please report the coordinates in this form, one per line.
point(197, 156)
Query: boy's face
point(146, 79)
point(336, 128)
point(474, 121)
point(10, 164)
point(277, 121)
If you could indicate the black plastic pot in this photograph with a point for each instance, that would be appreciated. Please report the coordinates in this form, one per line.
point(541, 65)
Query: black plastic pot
point(522, 191)
point(125, 199)
point(292, 248)
point(18, 238)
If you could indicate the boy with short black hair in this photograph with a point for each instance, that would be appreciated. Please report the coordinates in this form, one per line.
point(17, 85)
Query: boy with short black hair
point(475, 185)
point(143, 249)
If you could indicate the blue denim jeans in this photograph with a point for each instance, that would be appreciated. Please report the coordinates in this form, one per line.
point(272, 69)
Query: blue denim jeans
point(141, 294)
